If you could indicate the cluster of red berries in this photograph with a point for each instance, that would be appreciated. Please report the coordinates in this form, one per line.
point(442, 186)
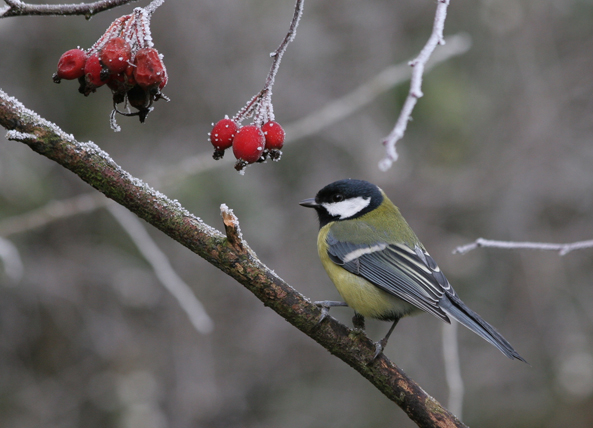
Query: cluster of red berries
point(124, 60)
point(250, 143)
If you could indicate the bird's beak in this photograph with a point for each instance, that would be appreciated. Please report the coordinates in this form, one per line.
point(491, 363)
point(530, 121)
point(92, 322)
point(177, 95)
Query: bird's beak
point(309, 203)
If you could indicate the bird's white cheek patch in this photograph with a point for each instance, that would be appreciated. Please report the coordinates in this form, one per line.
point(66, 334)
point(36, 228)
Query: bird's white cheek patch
point(362, 251)
point(347, 208)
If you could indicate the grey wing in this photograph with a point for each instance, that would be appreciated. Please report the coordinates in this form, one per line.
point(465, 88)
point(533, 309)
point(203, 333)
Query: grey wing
point(408, 273)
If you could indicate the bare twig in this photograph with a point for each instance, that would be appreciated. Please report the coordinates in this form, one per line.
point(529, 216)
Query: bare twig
point(95, 167)
point(163, 269)
point(418, 64)
point(231, 226)
point(19, 8)
point(52, 211)
point(509, 245)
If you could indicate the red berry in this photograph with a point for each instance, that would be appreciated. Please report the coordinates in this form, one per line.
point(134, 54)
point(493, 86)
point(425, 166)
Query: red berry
point(71, 65)
point(223, 133)
point(116, 54)
point(274, 135)
point(92, 72)
point(150, 72)
point(249, 143)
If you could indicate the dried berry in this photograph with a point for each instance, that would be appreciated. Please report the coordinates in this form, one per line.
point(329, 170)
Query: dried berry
point(248, 144)
point(138, 98)
point(116, 54)
point(150, 72)
point(71, 65)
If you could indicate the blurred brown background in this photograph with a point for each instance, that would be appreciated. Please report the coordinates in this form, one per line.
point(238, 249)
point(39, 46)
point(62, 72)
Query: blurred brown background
point(500, 147)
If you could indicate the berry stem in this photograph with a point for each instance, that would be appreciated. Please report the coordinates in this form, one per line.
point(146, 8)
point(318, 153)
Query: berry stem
point(260, 106)
point(153, 5)
point(278, 53)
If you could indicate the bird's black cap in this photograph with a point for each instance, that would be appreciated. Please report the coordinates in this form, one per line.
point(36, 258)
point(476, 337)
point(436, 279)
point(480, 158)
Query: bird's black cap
point(343, 190)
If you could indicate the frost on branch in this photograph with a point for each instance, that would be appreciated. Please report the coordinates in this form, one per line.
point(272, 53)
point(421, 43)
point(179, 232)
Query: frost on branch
point(124, 59)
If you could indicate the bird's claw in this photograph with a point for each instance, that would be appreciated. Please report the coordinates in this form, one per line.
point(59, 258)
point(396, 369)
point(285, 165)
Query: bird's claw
point(378, 350)
point(379, 346)
point(325, 306)
point(324, 313)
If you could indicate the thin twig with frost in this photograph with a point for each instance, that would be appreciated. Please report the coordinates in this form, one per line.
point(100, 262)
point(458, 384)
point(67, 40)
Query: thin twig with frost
point(19, 8)
point(417, 64)
point(279, 53)
point(453, 368)
point(510, 245)
point(314, 122)
point(260, 106)
point(162, 268)
point(153, 5)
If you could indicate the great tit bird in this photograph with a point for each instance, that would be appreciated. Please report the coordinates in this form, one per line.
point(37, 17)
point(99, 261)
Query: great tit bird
point(379, 266)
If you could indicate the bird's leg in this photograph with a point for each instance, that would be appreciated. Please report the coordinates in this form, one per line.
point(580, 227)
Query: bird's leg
point(358, 321)
point(380, 345)
point(325, 306)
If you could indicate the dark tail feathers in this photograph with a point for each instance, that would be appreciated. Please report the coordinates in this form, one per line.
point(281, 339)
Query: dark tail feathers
point(454, 307)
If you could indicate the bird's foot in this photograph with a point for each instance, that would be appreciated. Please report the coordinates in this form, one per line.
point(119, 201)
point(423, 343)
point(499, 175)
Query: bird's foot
point(325, 306)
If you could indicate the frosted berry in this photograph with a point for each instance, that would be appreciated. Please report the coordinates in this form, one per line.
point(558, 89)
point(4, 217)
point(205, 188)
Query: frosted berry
point(71, 65)
point(92, 73)
point(222, 136)
point(274, 139)
point(150, 72)
point(115, 55)
point(248, 145)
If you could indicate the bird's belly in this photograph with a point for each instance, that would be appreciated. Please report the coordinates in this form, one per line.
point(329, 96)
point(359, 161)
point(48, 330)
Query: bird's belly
point(370, 301)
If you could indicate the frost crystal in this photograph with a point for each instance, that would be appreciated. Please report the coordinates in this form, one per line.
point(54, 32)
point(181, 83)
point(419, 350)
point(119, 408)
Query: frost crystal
point(20, 136)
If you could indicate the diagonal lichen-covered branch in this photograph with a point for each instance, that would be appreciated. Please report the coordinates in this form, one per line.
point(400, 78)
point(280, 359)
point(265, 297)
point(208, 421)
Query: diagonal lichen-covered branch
point(228, 252)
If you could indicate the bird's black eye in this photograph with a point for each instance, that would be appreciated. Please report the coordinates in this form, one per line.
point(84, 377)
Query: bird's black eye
point(338, 197)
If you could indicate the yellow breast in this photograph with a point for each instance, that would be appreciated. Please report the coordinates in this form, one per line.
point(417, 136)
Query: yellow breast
point(364, 297)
